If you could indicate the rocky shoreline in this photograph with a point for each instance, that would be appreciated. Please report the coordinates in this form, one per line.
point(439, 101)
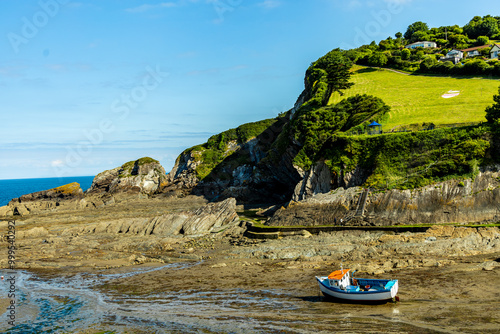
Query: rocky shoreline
point(64, 232)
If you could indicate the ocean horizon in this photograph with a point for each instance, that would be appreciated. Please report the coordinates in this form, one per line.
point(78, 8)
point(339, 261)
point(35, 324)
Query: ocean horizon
point(14, 188)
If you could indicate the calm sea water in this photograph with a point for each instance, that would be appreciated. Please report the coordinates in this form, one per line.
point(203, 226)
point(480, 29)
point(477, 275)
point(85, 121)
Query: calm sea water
point(10, 189)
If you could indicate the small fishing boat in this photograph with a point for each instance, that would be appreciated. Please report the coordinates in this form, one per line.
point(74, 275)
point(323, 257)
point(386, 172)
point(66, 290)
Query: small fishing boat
point(340, 285)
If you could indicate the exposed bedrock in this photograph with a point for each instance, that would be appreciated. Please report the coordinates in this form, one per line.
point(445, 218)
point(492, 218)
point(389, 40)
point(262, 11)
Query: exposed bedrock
point(454, 201)
point(209, 218)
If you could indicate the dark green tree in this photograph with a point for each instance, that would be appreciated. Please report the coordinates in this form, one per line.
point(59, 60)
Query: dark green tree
point(377, 59)
point(482, 26)
point(413, 28)
point(482, 40)
point(493, 111)
point(338, 69)
point(405, 54)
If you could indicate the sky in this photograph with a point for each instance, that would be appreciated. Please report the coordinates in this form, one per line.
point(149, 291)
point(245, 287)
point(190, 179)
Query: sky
point(88, 85)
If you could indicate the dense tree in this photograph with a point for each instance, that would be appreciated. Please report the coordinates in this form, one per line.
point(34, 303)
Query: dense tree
point(337, 66)
point(482, 40)
point(315, 127)
point(482, 26)
point(413, 28)
point(493, 112)
point(385, 44)
point(405, 54)
point(399, 35)
point(427, 64)
point(377, 59)
point(458, 41)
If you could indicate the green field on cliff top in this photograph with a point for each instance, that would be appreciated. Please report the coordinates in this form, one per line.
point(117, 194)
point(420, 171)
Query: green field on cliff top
point(418, 99)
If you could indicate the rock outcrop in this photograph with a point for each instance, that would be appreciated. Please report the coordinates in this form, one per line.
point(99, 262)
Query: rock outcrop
point(67, 196)
point(318, 180)
point(250, 170)
point(453, 201)
point(144, 176)
point(209, 218)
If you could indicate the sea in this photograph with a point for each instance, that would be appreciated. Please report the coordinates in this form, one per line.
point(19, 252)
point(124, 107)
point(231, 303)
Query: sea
point(10, 189)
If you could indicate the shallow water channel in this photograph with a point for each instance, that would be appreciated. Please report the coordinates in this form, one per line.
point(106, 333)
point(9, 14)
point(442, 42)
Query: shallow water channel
point(68, 305)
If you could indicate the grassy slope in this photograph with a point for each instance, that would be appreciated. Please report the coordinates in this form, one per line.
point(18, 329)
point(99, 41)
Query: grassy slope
point(417, 99)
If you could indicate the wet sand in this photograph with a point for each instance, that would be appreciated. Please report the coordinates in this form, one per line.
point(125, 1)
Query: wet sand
point(449, 279)
point(221, 295)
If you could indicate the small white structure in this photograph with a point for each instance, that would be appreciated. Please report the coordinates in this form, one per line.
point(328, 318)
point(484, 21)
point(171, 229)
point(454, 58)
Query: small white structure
point(473, 52)
point(495, 51)
point(455, 56)
point(424, 44)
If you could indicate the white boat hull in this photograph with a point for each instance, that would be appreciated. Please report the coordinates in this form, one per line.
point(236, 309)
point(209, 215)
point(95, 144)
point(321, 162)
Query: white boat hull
point(359, 296)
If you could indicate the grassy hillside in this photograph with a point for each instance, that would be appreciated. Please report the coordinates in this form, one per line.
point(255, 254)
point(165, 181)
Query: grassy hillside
point(417, 99)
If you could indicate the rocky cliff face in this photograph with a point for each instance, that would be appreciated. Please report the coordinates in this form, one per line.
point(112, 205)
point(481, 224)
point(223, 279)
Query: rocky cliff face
point(454, 201)
point(251, 171)
point(144, 176)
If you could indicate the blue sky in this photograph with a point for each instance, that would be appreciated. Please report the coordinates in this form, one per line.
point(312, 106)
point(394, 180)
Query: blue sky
point(86, 86)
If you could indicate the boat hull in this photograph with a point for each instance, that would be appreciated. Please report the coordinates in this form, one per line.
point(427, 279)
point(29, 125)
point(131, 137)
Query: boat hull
point(357, 296)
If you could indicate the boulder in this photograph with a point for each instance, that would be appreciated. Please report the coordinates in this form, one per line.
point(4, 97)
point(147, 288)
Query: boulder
point(144, 175)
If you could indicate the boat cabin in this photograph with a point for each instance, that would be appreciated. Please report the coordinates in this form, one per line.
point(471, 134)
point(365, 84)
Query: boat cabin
point(339, 278)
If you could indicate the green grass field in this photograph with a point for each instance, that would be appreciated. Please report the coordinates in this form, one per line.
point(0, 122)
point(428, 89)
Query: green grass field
point(417, 99)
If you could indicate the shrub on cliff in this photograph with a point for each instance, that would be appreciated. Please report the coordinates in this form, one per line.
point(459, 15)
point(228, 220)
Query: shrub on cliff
point(314, 128)
point(493, 112)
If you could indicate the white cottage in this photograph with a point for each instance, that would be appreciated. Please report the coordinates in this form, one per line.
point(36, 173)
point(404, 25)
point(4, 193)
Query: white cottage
point(474, 52)
point(495, 51)
point(423, 44)
point(454, 56)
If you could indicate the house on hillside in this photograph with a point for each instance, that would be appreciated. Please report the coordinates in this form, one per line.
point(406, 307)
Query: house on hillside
point(473, 52)
point(424, 44)
point(495, 51)
point(455, 56)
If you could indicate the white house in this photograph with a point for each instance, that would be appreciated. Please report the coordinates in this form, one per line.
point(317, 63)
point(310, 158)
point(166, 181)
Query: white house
point(454, 56)
point(424, 44)
point(495, 51)
point(473, 52)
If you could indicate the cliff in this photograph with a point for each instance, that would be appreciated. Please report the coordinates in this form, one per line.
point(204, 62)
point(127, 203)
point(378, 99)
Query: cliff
point(317, 147)
point(240, 163)
point(455, 202)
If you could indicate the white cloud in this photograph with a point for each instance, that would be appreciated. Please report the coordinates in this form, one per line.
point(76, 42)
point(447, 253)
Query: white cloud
point(270, 4)
point(56, 163)
point(147, 7)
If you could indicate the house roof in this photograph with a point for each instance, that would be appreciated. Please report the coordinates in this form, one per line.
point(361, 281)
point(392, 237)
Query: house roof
point(476, 48)
point(374, 124)
point(497, 45)
point(420, 42)
point(338, 274)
